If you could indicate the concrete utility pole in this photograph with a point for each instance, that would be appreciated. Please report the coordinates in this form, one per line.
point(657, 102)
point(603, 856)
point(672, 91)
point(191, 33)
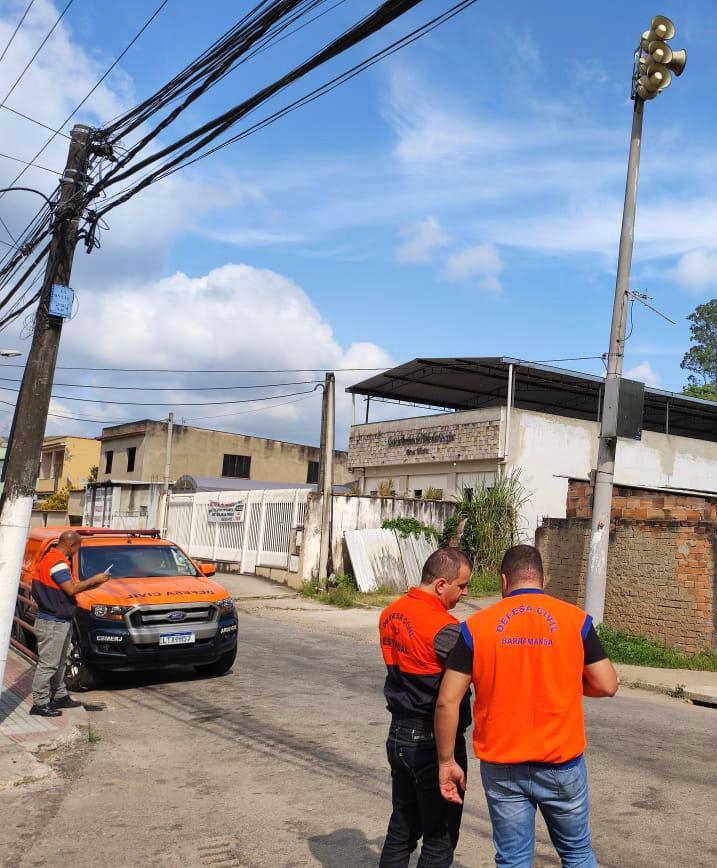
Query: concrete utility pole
point(33, 402)
point(167, 466)
point(326, 476)
point(596, 578)
point(655, 62)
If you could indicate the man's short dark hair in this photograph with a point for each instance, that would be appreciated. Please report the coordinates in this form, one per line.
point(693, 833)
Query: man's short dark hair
point(446, 563)
point(522, 562)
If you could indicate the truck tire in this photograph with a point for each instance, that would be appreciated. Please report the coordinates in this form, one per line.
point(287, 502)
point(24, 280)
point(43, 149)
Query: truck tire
point(78, 675)
point(220, 666)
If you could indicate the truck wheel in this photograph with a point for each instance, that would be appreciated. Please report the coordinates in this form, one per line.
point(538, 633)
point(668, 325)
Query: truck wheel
point(78, 675)
point(220, 666)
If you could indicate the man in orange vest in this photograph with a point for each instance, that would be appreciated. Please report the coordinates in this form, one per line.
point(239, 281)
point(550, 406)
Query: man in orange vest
point(531, 659)
point(417, 634)
point(54, 590)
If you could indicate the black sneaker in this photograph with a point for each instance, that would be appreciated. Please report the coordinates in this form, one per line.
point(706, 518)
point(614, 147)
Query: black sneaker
point(65, 702)
point(45, 711)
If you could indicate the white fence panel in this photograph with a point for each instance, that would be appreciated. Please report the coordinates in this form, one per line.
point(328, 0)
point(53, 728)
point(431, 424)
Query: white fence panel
point(262, 538)
point(179, 519)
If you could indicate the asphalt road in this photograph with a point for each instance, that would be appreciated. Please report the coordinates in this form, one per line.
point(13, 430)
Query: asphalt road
point(282, 763)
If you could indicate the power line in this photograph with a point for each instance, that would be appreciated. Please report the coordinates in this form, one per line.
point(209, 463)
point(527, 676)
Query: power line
point(34, 121)
point(14, 33)
point(174, 388)
point(570, 359)
point(207, 370)
point(246, 412)
point(92, 90)
point(34, 165)
point(69, 418)
point(324, 89)
point(195, 141)
point(203, 135)
point(165, 403)
point(39, 49)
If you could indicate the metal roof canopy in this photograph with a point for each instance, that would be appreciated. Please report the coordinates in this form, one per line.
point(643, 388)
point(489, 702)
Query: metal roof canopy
point(471, 383)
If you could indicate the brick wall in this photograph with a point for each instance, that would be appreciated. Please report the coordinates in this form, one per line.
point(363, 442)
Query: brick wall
point(661, 579)
point(642, 503)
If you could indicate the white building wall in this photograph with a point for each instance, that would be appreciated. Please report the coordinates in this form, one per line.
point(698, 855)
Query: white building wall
point(548, 450)
point(551, 449)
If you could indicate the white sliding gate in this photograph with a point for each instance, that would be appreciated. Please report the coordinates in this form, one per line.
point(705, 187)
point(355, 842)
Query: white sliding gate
point(260, 539)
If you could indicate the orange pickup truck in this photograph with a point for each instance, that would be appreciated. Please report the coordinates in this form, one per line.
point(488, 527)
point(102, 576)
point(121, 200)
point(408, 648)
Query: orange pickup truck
point(158, 609)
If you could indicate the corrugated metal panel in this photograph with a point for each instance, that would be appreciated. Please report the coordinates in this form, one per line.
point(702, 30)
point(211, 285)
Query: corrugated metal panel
point(384, 559)
point(376, 559)
point(415, 551)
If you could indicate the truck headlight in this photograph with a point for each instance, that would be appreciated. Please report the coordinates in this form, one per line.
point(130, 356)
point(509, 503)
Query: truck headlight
point(110, 613)
point(226, 605)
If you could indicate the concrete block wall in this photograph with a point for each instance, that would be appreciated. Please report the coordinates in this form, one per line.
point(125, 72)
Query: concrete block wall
point(661, 579)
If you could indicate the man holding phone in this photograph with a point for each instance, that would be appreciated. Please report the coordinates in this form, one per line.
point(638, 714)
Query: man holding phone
point(54, 589)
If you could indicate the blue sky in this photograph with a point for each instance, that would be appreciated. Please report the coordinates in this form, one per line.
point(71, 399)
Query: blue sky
point(462, 198)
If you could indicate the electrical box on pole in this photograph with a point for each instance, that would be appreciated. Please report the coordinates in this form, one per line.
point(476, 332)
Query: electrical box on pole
point(623, 408)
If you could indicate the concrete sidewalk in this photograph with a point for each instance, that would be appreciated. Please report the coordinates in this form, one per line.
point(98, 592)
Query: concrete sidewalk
point(23, 734)
point(258, 596)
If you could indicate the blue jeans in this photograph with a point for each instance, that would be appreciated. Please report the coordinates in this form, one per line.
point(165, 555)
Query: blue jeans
point(514, 791)
point(419, 810)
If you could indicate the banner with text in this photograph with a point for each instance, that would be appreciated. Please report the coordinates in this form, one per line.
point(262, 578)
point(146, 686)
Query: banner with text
point(232, 511)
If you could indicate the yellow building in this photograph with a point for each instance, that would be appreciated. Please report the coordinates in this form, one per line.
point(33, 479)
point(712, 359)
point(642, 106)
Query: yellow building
point(66, 463)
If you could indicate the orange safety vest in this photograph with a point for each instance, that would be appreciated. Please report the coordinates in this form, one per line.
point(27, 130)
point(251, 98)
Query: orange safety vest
point(528, 663)
point(48, 595)
point(407, 630)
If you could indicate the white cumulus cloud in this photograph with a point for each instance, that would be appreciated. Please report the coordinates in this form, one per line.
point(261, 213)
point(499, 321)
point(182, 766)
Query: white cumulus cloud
point(480, 265)
point(697, 270)
point(645, 373)
point(234, 317)
point(421, 241)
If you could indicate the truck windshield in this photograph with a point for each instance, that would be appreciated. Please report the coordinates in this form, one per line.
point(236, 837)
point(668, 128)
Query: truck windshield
point(135, 561)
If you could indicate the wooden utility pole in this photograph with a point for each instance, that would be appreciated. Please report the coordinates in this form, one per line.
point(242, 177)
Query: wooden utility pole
point(33, 402)
point(326, 477)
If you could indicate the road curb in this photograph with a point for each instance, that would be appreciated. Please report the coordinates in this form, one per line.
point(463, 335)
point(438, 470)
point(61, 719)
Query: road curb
point(703, 696)
point(27, 762)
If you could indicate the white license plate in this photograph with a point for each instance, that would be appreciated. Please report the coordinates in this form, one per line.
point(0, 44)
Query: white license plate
point(176, 638)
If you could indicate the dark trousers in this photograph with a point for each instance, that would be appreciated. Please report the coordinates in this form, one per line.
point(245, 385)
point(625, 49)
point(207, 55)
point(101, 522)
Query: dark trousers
point(419, 810)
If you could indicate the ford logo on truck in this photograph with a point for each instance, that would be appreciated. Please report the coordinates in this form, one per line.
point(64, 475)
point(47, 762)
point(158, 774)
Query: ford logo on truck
point(176, 616)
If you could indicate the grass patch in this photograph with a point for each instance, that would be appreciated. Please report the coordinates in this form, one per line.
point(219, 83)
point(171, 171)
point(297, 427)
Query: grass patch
point(484, 585)
point(93, 736)
point(345, 595)
point(640, 651)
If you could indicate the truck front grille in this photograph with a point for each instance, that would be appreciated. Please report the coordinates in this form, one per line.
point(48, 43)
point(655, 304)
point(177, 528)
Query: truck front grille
point(159, 616)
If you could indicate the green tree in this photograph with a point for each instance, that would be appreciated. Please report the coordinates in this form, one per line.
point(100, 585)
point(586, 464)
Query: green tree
point(708, 391)
point(701, 358)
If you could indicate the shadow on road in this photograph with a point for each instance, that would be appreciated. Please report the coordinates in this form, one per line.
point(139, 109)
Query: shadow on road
point(345, 847)
point(350, 848)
